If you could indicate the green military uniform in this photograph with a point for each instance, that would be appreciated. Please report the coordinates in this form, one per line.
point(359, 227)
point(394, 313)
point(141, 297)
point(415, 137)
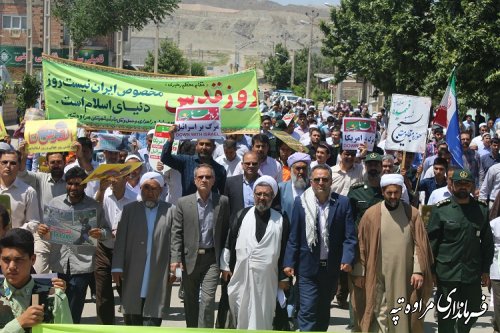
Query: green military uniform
point(362, 195)
point(463, 249)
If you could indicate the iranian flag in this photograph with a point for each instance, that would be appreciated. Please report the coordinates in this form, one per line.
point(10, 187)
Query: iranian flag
point(447, 117)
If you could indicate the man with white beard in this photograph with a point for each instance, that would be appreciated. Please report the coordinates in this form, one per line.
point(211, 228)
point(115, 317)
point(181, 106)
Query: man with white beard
point(252, 259)
point(288, 191)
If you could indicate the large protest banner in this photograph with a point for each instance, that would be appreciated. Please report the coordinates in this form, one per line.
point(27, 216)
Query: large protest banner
point(45, 136)
point(107, 98)
point(408, 122)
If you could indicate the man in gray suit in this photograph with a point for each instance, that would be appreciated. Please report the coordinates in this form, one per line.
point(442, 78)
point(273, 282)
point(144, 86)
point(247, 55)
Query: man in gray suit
point(141, 255)
point(199, 232)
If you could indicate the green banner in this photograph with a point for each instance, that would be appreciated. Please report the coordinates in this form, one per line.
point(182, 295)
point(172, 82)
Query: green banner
point(66, 328)
point(106, 98)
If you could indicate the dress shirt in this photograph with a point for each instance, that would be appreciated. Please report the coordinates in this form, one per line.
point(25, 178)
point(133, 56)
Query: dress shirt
point(230, 166)
point(487, 161)
point(81, 258)
point(270, 167)
point(206, 221)
point(150, 220)
point(297, 192)
point(45, 186)
point(323, 210)
point(343, 180)
point(438, 195)
point(491, 184)
point(247, 193)
point(113, 209)
point(23, 204)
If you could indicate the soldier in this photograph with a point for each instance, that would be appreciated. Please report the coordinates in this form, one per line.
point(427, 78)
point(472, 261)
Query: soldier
point(365, 194)
point(462, 244)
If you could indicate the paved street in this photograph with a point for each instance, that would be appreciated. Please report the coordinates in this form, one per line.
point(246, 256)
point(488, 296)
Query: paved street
point(338, 322)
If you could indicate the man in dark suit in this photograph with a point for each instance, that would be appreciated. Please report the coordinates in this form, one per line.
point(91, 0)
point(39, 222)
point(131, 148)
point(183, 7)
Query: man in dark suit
point(199, 233)
point(322, 240)
point(239, 189)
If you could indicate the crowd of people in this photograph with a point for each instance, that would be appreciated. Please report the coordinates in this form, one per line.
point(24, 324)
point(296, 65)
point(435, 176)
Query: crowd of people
point(284, 233)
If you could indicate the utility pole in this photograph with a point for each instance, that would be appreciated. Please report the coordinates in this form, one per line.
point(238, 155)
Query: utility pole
point(292, 76)
point(46, 26)
point(312, 16)
point(29, 37)
point(119, 49)
point(157, 47)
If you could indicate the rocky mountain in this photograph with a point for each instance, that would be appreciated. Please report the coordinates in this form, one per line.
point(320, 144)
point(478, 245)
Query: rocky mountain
point(228, 31)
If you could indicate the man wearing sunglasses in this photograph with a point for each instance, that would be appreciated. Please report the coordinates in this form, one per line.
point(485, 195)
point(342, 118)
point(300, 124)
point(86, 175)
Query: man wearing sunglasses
point(199, 232)
point(322, 242)
point(23, 198)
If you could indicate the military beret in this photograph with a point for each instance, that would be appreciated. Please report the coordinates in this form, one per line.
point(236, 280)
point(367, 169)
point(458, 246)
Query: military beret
point(462, 175)
point(373, 157)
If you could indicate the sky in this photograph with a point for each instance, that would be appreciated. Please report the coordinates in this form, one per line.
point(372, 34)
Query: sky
point(306, 2)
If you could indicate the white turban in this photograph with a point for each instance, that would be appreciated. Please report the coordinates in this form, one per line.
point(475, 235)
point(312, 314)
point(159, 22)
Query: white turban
point(268, 180)
point(392, 179)
point(152, 175)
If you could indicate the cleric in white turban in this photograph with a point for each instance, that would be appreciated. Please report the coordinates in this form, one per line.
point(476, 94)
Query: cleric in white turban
point(252, 258)
point(392, 179)
point(152, 175)
point(267, 180)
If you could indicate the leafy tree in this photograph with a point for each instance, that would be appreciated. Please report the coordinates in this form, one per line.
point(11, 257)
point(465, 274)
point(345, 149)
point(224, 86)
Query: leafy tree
point(198, 69)
point(277, 68)
point(170, 60)
point(412, 46)
point(27, 93)
point(92, 18)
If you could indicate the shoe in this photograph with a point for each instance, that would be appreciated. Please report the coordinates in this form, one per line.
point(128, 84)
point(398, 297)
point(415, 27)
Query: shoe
point(344, 305)
point(180, 294)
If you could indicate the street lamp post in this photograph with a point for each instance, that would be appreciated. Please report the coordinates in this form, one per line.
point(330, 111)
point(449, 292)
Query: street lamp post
point(312, 15)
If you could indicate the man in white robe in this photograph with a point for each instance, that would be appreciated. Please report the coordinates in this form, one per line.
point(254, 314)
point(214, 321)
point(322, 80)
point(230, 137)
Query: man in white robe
point(252, 259)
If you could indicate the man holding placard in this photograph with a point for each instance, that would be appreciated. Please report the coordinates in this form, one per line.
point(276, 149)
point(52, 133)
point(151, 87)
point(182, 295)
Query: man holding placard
point(47, 186)
point(74, 264)
point(186, 164)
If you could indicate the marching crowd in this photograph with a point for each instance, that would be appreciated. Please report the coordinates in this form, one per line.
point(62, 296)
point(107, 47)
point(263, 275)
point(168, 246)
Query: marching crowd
point(283, 232)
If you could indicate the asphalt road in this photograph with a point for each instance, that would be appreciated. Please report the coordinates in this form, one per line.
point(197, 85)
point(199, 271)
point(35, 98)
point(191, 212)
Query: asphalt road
point(339, 319)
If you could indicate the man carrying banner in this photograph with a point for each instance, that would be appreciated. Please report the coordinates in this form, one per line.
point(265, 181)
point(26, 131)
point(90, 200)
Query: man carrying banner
point(186, 164)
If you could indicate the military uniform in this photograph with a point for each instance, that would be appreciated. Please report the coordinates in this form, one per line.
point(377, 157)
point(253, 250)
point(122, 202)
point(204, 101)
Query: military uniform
point(463, 249)
point(362, 195)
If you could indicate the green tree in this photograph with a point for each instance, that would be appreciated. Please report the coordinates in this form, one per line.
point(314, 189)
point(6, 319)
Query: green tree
point(198, 68)
point(412, 46)
point(93, 18)
point(277, 68)
point(170, 60)
point(27, 93)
